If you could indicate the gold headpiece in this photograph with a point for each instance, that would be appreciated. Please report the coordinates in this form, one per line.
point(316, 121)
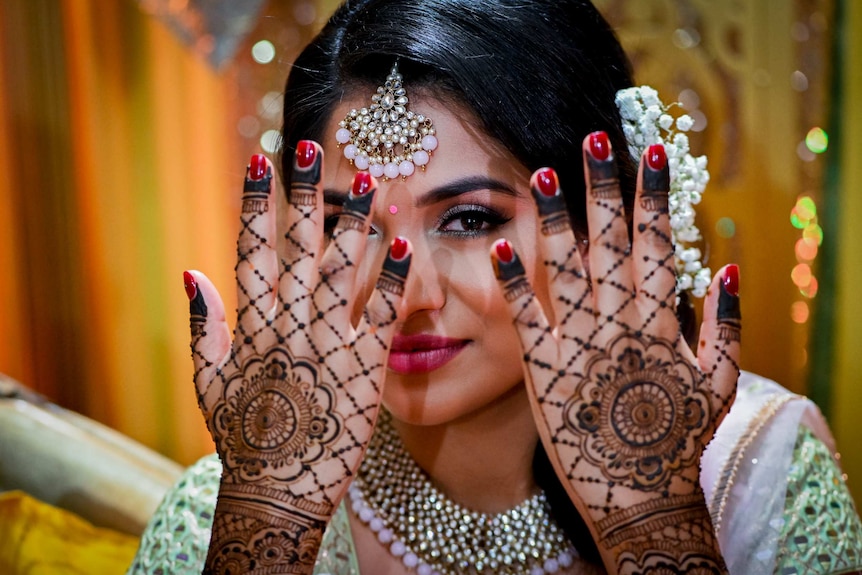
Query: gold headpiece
point(387, 138)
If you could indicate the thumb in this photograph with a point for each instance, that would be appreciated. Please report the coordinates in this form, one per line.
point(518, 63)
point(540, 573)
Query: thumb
point(719, 349)
point(210, 335)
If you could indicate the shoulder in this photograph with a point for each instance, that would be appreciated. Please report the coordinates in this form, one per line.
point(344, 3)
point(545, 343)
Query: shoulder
point(177, 537)
point(764, 477)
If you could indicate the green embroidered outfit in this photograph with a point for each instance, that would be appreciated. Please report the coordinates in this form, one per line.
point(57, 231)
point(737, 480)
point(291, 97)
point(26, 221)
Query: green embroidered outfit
point(773, 487)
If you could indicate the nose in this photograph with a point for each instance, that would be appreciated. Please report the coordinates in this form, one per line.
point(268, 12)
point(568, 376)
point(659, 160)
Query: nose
point(425, 290)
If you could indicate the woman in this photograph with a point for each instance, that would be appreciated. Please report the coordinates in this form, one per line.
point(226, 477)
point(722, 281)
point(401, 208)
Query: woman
point(541, 412)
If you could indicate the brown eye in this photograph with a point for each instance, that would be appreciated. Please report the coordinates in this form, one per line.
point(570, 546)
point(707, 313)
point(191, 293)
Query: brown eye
point(471, 220)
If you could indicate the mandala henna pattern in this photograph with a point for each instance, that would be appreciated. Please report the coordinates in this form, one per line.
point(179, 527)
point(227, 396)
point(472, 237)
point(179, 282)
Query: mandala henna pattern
point(627, 412)
point(275, 415)
point(292, 407)
point(639, 413)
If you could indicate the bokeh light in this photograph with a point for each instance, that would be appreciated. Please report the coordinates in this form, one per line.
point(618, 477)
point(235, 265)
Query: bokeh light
point(801, 275)
point(799, 312)
point(806, 249)
point(725, 227)
point(817, 140)
point(810, 290)
point(270, 141)
point(263, 52)
point(813, 231)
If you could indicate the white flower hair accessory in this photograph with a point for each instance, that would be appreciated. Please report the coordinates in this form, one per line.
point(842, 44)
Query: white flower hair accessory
point(646, 121)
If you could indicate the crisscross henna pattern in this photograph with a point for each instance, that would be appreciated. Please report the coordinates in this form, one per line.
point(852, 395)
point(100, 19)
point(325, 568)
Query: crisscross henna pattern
point(292, 404)
point(624, 407)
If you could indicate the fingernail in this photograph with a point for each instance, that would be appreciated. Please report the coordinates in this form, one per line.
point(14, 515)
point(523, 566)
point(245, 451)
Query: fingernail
point(546, 180)
point(656, 157)
point(600, 148)
point(508, 266)
point(731, 280)
point(361, 183)
point(257, 167)
point(190, 284)
point(504, 251)
point(398, 249)
point(305, 152)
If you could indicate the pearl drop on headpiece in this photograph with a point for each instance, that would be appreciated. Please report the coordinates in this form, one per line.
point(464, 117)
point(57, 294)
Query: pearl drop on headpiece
point(387, 138)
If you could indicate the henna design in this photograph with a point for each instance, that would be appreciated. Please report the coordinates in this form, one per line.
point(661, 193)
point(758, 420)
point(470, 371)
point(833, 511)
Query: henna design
point(355, 211)
point(303, 185)
point(656, 184)
point(274, 414)
point(604, 178)
point(729, 315)
point(669, 536)
point(255, 197)
point(394, 274)
point(197, 314)
point(639, 413)
point(511, 274)
point(293, 405)
point(552, 212)
point(625, 410)
point(259, 531)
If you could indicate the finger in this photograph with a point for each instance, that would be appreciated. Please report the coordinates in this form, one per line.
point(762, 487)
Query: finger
point(534, 331)
point(344, 253)
point(718, 350)
point(610, 251)
point(652, 248)
point(304, 232)
point(210, 333)
point(257, 265)
point(569, 289)
point(377, 327)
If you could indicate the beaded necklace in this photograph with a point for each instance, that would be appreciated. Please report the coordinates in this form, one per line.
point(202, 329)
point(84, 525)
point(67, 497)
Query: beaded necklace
point(433, 535)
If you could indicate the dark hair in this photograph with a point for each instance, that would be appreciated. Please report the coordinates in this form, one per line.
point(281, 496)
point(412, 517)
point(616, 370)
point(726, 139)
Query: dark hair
point(539, 75)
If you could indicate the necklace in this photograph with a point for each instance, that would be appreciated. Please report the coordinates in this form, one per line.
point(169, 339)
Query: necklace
point(434, 535)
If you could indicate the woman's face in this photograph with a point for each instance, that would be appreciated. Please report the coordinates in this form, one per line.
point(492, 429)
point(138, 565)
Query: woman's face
point(457, 350)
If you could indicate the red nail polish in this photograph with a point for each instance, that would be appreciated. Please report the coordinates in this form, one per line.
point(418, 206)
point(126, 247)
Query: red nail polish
point(257, 169)
point(600, 148)
point(305, 153)
point(731, 279)
point(546, 179)
point(361, 183)
point(656, 157)
point(504, 251)
point(398, 249)
point(190, 284)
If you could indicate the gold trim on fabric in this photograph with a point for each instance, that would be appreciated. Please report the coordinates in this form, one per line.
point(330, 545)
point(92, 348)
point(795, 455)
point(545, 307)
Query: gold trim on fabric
point(728, 473)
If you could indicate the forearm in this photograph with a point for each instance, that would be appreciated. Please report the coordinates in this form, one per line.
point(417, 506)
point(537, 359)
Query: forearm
point(257, 527)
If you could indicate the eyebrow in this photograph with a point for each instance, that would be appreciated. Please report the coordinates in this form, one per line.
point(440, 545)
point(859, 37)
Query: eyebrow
point(441, 193)
point(464, 186)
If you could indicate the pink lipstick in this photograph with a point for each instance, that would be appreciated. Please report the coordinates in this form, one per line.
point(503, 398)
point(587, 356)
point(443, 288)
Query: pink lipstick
point(422, 353)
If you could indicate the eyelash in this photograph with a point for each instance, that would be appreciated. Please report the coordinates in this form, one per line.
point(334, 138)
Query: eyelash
point(483, 214)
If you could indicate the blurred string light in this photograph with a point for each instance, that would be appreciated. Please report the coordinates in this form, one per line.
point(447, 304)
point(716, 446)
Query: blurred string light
point(803, 217)
point(263, 52)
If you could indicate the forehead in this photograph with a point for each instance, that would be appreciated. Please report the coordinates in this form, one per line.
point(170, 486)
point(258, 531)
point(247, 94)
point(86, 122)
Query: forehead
point(464, 148)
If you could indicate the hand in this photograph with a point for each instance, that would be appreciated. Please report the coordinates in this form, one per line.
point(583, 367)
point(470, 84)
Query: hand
point(291, 403)
point(623, 406)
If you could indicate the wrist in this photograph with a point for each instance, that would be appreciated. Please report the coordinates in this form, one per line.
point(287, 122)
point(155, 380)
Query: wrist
point(258, 526)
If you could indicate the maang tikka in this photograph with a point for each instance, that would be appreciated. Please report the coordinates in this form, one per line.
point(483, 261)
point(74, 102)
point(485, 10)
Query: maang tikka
point(387, 138)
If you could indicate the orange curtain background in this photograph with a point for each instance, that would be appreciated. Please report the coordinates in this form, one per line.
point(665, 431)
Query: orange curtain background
point(122, 154)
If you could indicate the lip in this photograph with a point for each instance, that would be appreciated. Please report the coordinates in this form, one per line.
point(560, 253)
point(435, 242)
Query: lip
point(421, 353)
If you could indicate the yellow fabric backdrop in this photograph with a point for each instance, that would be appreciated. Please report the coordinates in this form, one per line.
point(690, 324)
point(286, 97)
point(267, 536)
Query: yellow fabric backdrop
point(122, 166)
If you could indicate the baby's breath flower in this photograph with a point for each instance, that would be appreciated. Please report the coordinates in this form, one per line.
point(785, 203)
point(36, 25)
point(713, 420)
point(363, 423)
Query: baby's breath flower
point(647, 121)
